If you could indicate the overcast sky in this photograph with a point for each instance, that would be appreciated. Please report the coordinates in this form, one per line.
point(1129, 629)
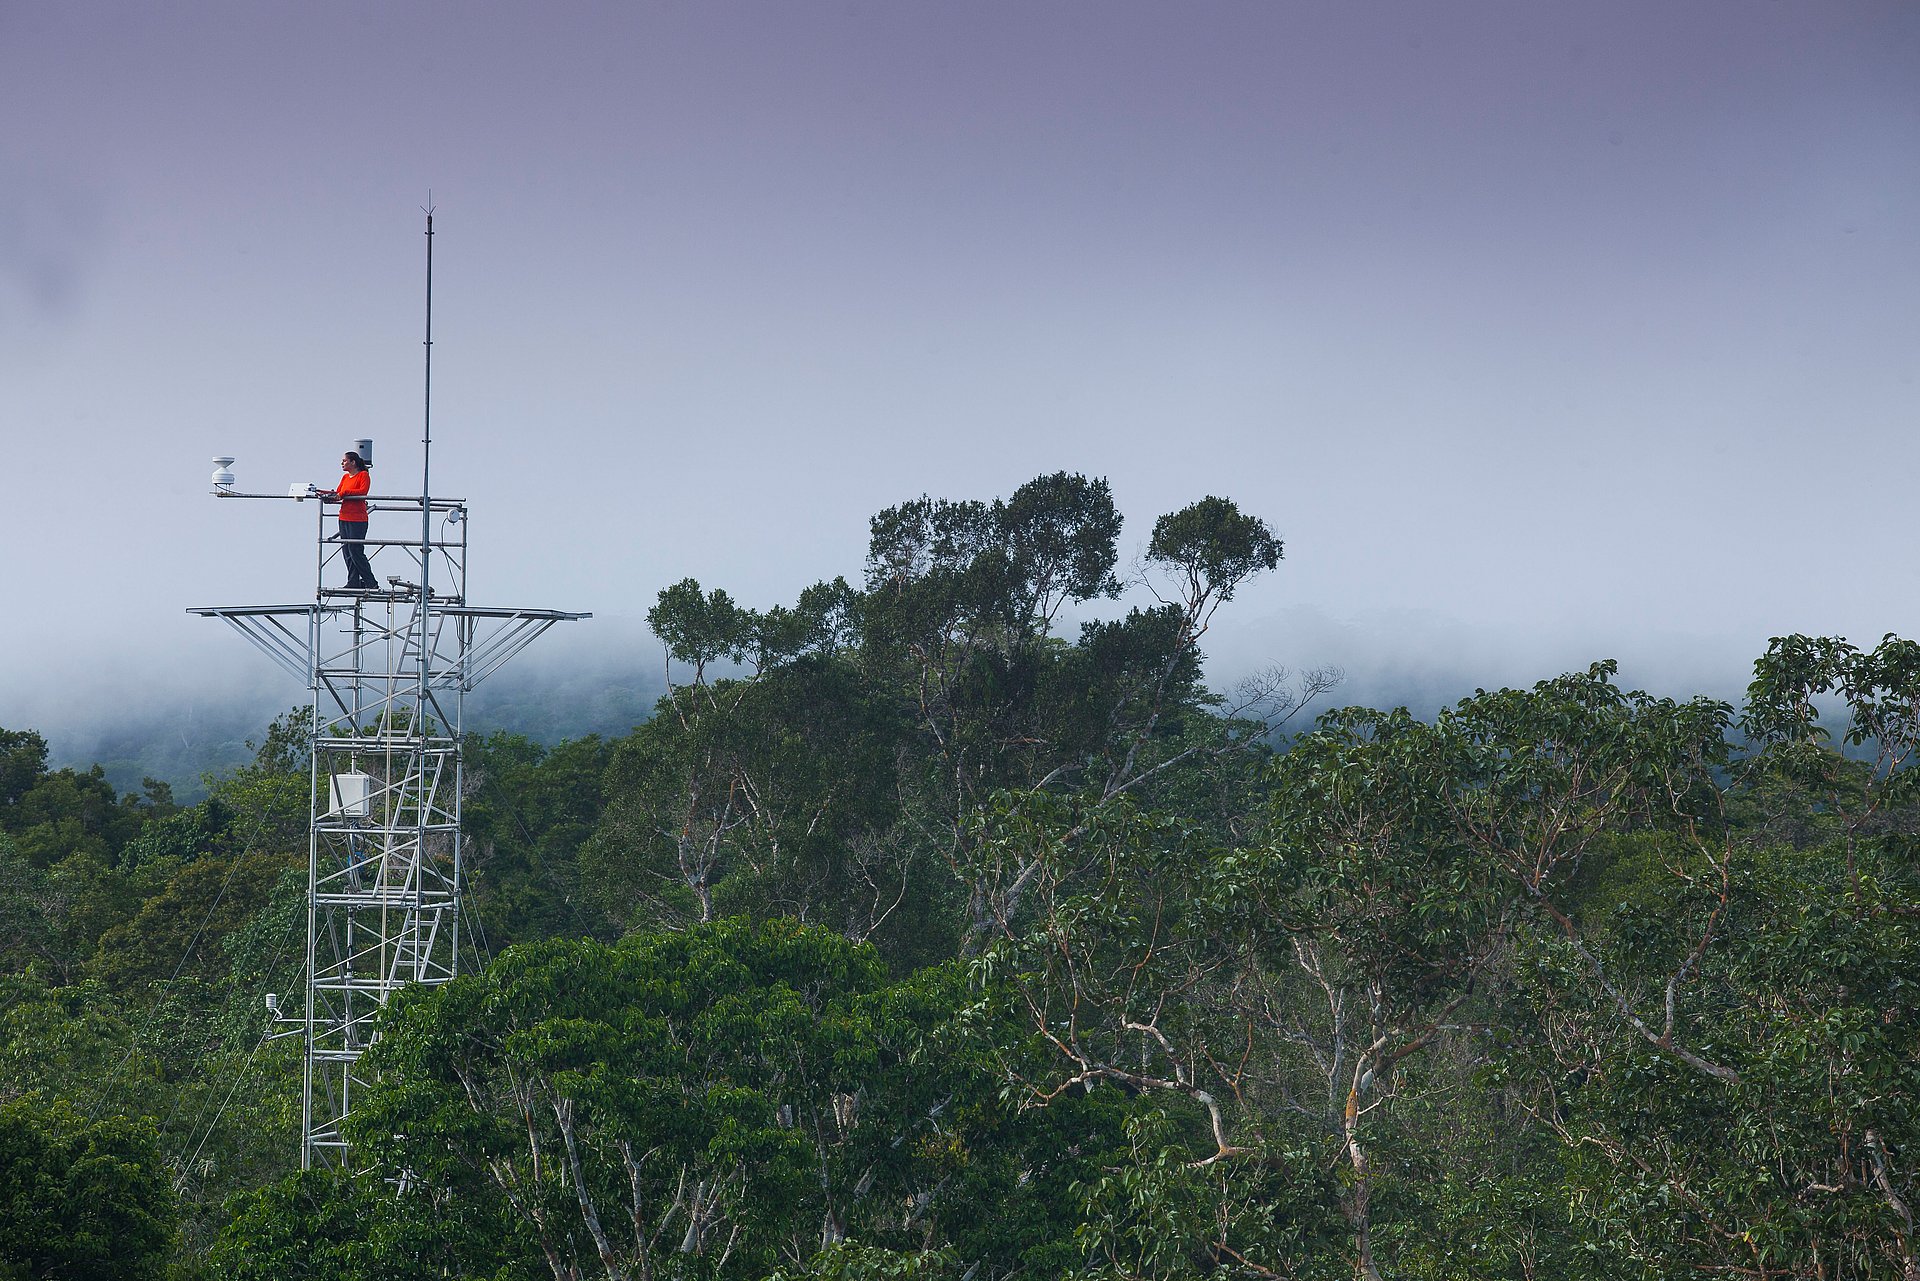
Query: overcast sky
point(1542, 333)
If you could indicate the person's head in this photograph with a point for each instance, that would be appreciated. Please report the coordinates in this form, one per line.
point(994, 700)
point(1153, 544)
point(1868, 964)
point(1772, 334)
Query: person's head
point(351, 461)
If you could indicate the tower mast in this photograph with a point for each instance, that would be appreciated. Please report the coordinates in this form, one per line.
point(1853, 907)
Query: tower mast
point(387, 670)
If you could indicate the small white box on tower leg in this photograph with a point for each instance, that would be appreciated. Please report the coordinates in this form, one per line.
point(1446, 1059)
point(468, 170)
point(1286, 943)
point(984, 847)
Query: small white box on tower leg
point(350, 795)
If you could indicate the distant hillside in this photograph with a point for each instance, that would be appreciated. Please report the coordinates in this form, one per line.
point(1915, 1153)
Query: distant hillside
point(180, 740)
point(605, 678)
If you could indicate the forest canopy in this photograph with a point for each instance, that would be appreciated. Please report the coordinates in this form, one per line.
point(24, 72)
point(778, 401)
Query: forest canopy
point(919, 934)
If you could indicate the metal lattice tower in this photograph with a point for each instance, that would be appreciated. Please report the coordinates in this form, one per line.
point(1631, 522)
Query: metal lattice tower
point(388, 671)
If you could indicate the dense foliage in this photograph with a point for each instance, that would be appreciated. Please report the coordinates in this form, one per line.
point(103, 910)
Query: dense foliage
point(914, 938)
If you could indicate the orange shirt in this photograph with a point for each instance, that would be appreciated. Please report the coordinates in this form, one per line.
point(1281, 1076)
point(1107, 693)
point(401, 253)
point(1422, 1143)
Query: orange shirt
point(352, 508)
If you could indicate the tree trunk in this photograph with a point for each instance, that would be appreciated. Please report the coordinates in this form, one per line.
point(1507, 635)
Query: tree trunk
point(1356, 1205)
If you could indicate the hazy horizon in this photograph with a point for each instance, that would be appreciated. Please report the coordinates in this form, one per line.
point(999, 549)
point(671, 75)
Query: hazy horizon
point(602, 677)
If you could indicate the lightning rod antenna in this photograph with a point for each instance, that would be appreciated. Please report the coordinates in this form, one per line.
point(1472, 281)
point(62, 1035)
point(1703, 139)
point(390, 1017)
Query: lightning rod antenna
point(426, 409)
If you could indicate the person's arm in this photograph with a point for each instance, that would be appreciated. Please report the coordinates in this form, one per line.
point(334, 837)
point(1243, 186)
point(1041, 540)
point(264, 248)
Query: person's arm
point(352, 486)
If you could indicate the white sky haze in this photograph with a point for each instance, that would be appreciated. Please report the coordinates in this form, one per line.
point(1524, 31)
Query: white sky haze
point(1542, 333)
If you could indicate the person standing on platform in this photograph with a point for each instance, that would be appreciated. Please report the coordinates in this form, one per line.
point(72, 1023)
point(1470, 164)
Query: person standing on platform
point(351, 494)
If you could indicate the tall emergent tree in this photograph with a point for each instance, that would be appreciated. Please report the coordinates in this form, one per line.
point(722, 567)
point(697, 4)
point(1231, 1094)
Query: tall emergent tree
point(834, 773)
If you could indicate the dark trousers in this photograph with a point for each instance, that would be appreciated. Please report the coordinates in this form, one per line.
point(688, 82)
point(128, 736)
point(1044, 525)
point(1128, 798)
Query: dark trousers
point(359, 572)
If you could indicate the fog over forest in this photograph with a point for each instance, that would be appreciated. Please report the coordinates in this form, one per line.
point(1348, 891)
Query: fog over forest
point(176, 719)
